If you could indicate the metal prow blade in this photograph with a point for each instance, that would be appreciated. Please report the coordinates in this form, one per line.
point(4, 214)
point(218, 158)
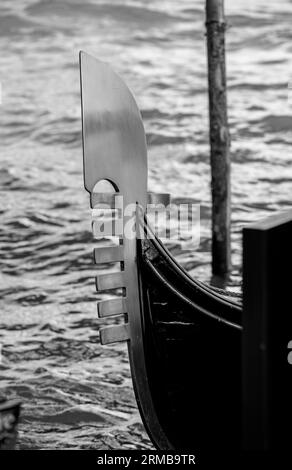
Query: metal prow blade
point(114, 143)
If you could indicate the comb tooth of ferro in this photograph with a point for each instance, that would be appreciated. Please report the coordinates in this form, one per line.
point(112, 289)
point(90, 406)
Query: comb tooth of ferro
point(107, 227)
point(110, 307)
point(108, 200)
point(108, 254)
point(158, 198)
point(114, 334)
point(110, 281)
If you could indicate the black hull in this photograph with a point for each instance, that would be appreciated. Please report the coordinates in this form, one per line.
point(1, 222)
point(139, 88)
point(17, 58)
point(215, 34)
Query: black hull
point(192, 344)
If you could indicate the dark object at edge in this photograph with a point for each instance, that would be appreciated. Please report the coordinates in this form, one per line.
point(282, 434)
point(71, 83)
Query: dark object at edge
point(9, 416)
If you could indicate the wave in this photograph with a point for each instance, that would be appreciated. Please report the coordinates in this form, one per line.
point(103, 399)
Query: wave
point(121, 12)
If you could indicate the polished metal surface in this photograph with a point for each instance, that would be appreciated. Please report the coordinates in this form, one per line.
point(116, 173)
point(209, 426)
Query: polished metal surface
point(158, 198)
point(110, 199)
point(114, 141)
point(107, 308)
point(110, 226)
point(114, 334)
point(108, 254)
point(104, 199)
point(110, 281)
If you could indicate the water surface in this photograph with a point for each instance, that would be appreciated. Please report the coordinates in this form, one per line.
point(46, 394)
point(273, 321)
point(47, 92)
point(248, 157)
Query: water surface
point(76, 393)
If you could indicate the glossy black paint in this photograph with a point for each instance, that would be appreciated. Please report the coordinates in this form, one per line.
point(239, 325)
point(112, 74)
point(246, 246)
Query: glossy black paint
point(192, 345)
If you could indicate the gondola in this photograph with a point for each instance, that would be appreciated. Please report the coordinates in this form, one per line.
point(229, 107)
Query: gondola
point(184, 336)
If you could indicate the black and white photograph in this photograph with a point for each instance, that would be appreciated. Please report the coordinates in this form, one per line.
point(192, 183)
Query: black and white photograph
point(146, 230)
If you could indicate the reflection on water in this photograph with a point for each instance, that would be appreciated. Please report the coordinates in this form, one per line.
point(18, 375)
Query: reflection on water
point(77, 394)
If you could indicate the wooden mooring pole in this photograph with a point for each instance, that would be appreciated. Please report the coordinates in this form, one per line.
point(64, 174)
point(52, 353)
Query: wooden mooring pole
point(219, 138)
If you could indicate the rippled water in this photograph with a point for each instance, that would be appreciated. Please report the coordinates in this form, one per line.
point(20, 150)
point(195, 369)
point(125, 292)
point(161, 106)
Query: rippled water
point(76, 393)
